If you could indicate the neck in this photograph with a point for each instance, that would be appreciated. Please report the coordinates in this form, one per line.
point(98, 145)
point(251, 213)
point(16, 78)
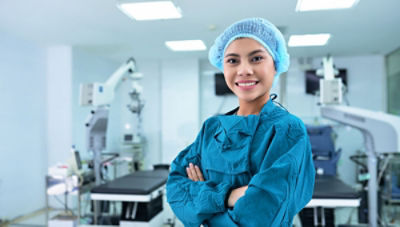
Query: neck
point(252, 108)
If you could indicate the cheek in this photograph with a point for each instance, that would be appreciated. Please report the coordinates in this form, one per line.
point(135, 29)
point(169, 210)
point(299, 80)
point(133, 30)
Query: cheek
point(228, 76)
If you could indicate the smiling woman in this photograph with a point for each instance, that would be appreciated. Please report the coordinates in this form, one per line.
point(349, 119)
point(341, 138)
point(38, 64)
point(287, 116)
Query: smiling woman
point(252, 166)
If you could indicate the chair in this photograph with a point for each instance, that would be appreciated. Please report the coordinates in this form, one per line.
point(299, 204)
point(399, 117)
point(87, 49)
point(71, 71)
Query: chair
point(323, 149)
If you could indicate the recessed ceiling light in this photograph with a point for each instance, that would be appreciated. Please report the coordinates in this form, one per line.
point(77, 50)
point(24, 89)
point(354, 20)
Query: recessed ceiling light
point(153, 10)
point(310, 5)
point(308, 40)
point(186, 45)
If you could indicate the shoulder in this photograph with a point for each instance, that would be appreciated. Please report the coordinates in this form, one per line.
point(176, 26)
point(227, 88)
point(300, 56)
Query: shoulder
point(290, 124)
point(210, 124)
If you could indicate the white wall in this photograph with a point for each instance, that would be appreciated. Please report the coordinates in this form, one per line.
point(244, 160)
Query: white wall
point(179, 105)
point(22, 121)
point(58, 97)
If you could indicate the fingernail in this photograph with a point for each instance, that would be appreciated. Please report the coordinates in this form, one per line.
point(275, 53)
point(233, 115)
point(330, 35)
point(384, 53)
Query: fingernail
point(190, 164)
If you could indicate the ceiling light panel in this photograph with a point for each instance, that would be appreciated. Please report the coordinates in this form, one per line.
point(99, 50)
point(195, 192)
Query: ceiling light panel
point(311, 5)
point(151, 10)
point(186, 45)
point(308, 40)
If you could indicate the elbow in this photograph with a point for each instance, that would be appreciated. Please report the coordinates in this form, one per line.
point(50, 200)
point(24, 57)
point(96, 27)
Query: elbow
point(177, 200)
point(185, 214)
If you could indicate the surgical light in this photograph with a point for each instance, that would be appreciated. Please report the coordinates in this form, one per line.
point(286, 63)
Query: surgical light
point(312, 5)
point(151, 10)
point(308, 40)
point(186, 45)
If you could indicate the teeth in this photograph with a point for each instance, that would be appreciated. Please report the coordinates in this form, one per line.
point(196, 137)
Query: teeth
point(247, 84)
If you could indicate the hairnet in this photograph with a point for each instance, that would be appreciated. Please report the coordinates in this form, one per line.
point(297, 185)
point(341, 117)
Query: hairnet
point(258, 29)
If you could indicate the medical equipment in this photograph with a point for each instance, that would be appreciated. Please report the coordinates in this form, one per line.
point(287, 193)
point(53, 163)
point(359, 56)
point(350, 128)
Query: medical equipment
point(391, 192)
point(330, 87)
point(101, 95)
point(381, 132)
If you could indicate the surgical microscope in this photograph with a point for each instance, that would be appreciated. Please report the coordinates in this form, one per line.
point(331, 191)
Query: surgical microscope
point(100, 95)
point(381, 131)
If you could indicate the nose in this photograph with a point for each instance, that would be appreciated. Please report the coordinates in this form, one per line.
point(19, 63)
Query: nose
point(245, 69)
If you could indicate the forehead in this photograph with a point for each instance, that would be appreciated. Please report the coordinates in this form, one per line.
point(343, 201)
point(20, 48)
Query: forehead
point(243, 45)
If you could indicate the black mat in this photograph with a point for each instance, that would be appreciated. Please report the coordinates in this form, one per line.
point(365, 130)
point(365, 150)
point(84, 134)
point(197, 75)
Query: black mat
point(330, 187)
point(137, 183)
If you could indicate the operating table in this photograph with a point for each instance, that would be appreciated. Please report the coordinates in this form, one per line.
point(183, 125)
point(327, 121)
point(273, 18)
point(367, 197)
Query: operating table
point(331, 192)
point(141, 193)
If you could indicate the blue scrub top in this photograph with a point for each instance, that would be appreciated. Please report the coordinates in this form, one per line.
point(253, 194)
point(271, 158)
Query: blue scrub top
point(269, 152)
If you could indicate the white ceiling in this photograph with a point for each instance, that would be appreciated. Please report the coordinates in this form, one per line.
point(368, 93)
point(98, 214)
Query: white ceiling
point(372, 27)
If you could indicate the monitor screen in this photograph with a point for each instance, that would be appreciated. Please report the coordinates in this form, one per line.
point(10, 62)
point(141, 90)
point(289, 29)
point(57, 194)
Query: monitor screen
point(220, 85)
point(312, 80)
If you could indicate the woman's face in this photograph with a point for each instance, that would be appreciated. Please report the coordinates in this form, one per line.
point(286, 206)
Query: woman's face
point(249, 70)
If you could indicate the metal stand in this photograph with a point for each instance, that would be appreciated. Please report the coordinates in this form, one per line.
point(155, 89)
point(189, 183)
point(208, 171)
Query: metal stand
point(372, 183)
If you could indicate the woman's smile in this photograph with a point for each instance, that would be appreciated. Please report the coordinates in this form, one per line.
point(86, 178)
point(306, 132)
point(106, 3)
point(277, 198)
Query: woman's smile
point(246, 84)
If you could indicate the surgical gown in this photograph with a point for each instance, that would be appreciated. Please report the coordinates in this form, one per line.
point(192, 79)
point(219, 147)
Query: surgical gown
point(270, 152)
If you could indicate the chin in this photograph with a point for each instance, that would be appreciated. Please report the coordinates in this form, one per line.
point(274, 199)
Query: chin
point(252, 98)
point(247, 98)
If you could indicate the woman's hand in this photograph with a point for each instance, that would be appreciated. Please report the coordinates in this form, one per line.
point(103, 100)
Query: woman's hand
point(194, 173)
point(235, 195)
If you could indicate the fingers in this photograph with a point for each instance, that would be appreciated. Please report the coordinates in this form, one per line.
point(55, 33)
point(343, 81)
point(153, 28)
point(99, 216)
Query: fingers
point(189, 173)
point(194, 173)
point(199, 174)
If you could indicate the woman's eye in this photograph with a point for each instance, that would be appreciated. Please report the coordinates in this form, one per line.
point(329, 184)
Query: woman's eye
point(231, 61)
point(257, 58)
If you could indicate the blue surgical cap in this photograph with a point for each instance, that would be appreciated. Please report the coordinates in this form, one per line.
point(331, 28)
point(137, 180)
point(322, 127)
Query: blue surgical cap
point(258, 29)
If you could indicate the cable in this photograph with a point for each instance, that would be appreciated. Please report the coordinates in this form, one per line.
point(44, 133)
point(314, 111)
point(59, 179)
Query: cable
point(63, 204)
point(385, 164)
point(354, 159)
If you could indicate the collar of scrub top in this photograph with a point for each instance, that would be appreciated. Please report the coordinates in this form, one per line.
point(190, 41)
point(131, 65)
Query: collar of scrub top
point(234, 129)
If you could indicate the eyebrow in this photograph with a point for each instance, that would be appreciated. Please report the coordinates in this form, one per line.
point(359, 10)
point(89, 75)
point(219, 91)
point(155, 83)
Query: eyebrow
point(251, 53)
